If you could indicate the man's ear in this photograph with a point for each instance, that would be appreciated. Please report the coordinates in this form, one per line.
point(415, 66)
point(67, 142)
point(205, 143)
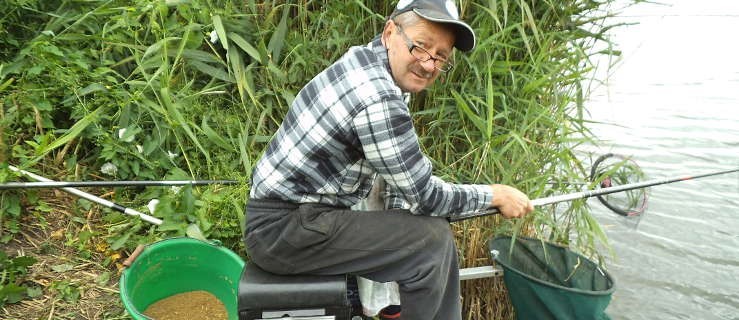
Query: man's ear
point(386, 31)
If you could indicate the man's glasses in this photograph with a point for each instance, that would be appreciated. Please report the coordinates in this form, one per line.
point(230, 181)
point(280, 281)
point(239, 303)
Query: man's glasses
point(422, 55)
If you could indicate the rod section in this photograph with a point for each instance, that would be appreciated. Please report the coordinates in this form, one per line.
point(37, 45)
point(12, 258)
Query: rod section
point(93, 198)
point(596, 192)
point(103, 184)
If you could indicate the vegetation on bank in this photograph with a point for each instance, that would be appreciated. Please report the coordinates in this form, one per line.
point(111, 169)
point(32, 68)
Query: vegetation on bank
point(183, 89)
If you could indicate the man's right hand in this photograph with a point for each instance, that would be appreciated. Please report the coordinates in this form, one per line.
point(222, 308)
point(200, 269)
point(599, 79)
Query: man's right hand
point(511, 202)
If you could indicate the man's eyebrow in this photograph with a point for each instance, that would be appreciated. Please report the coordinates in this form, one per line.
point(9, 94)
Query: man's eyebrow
point(439, 54)
point(443, 54)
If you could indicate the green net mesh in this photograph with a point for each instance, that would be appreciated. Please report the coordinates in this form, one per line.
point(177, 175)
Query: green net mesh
point(546, 281)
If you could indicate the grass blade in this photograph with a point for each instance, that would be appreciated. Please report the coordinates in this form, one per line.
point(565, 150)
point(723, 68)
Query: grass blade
point(220, 31)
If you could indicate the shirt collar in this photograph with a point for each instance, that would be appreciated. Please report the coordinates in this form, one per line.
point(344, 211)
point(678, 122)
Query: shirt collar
point(379, 49)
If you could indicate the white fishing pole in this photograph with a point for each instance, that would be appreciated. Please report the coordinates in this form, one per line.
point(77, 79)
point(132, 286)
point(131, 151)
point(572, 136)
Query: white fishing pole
point(93, 198)
point(107, 184)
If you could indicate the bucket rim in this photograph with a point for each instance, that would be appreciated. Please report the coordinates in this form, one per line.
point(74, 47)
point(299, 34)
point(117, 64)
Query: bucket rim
point(605, 273)
point(128, 304)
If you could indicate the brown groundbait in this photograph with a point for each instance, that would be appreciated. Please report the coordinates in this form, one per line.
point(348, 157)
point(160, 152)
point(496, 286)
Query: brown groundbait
point(188, 305)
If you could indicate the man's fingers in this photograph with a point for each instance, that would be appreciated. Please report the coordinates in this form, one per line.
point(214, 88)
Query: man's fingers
point(521, 208)
point(511, 202)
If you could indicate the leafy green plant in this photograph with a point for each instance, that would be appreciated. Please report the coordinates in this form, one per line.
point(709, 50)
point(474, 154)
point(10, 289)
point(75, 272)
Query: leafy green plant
point(10, 210)
point(66, 290)
point(12, 272)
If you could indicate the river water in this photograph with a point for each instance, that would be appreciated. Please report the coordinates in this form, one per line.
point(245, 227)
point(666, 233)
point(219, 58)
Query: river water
point(672, 103)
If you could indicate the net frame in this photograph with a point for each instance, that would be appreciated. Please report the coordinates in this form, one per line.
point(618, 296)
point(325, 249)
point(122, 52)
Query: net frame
point(604, 176)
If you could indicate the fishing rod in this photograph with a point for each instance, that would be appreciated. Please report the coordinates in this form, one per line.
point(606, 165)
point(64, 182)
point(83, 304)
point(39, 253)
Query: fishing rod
point(596, 192)
point(93, 198)
point(119, 183)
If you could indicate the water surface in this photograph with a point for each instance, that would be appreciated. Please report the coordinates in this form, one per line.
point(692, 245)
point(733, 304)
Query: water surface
point(673, 104)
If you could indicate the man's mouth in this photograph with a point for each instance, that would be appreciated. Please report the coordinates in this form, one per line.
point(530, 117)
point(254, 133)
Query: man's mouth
point(422, 74)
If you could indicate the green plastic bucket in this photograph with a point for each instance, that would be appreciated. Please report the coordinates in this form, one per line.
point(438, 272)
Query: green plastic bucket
point(178, 265)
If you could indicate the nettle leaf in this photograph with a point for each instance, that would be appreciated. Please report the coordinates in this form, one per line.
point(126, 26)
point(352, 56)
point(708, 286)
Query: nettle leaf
point(11, 293)
point(91, 88)
point(120, 242)
point(43, 105)
point(35, 70)
point(187, 205)
point(34, 292)
point(54, 50)
point(178, 174)
point(23, 261)
point(11, 205)
point(177, 227)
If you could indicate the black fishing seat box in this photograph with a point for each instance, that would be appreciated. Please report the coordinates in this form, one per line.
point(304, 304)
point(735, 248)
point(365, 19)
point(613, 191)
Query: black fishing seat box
point(264, 295)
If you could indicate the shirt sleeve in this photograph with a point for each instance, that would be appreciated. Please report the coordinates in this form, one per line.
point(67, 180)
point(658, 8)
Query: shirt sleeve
point(390, 144)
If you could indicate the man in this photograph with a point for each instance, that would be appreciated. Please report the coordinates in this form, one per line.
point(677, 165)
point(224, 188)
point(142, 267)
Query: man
point(348, 126)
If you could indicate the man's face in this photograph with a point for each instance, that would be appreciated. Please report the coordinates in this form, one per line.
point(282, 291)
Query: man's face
point(410, 74)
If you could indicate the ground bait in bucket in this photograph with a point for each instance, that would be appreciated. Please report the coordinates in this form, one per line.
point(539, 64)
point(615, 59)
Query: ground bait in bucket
point(188, 305)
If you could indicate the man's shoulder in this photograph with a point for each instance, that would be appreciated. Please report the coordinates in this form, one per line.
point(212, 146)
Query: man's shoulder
point(366, 52)
point(361, 57)
point(359, 78)
point(361, 66)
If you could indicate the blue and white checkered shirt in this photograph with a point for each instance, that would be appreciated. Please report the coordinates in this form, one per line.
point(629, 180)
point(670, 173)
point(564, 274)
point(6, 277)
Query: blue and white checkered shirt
point(347, 125)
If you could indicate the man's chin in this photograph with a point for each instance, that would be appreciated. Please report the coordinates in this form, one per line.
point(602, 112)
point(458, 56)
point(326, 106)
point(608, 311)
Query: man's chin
point(416, 86)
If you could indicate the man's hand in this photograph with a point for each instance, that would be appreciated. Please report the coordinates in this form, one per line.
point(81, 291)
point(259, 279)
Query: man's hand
point(511, 202)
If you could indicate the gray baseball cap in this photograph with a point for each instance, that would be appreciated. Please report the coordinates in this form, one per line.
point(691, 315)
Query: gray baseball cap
point(441, 11)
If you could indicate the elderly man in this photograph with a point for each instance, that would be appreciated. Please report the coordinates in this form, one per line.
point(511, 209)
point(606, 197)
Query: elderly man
point(348, 126)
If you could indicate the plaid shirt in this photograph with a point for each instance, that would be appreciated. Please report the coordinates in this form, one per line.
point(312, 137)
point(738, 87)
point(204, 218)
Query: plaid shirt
point(346, 126)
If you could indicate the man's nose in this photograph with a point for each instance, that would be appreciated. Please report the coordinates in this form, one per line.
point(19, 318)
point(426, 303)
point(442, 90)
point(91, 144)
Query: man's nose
point(429, 65)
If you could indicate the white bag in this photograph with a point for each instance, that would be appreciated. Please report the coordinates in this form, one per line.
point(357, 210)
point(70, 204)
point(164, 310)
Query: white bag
point(376, 295)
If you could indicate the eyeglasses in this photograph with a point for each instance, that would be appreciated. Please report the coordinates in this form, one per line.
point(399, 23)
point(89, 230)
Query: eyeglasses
point(423, 55)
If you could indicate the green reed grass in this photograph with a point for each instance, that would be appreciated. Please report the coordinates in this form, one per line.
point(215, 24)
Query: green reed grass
point(514, 116)
point(73, 74)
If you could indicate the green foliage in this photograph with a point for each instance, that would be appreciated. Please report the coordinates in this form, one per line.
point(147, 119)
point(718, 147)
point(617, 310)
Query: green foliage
point(146, 89)
point(10, 210)
point(66, 290)
point(10, 207)
point(515, 110)
point(12, 272)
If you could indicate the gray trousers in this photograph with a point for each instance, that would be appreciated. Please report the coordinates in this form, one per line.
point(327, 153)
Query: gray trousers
point(418, 252)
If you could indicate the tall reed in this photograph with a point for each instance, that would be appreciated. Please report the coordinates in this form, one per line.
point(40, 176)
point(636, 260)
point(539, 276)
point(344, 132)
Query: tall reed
point(513, 116)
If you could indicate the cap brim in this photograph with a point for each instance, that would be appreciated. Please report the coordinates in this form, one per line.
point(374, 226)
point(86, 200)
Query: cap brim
point(464, 35)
